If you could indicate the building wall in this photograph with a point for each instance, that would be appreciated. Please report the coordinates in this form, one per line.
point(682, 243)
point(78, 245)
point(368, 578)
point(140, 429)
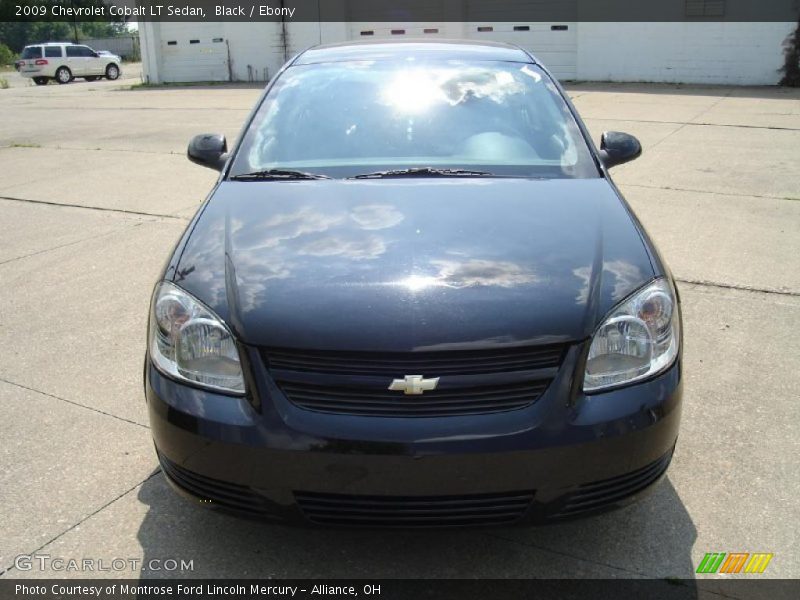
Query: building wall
point(256, 49)
point(738, 53)
point(149, 37)
point(211, 51)
point(683, 52)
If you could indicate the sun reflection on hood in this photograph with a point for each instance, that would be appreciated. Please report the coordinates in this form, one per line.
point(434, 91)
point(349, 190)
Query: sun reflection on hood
point(456, 274)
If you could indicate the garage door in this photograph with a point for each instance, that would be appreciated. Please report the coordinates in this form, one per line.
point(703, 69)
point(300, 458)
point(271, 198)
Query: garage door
point(193, 52)
point(554, 44)
point(363, 23)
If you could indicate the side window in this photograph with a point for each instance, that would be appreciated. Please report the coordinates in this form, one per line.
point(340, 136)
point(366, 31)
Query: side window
point(86, 51)
point(53, 52)
point(73, 51)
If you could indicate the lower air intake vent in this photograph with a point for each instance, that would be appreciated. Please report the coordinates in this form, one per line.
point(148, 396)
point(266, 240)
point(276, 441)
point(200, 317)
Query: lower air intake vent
point(600, 494)
point(216, 493)
point(414, 511)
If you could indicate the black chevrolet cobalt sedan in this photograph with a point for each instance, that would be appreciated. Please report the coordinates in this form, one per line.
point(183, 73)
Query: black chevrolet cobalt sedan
point(414, 297)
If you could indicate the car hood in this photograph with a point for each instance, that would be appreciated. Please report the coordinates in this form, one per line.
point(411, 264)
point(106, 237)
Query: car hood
point(413, 264)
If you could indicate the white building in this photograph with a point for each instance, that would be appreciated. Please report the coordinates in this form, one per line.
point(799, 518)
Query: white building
point(692, 50)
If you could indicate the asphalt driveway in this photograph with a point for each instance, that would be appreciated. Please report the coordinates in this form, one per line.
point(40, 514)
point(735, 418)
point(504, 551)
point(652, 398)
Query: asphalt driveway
point(94, 191)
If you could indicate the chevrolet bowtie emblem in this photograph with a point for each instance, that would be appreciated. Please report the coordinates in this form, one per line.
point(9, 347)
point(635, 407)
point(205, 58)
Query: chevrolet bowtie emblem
point(413, 385)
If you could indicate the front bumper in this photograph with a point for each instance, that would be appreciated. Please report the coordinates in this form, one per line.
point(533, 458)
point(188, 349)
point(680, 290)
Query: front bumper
point(566, 455)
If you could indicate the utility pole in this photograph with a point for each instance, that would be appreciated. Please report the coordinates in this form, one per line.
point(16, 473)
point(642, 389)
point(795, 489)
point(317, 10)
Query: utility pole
point(74, 23)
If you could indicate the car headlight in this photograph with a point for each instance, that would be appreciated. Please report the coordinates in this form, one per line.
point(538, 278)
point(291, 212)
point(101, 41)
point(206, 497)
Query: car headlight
point(638, 339)
point(190, 343)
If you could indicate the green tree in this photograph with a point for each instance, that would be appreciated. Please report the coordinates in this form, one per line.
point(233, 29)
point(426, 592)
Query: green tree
point(101, 30)
point(17, 35)
point(7, 57)
point(791, 55)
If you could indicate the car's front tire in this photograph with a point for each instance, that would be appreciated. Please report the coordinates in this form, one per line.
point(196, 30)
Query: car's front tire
point(41, 80)
point(63, 75)
point(112, 72)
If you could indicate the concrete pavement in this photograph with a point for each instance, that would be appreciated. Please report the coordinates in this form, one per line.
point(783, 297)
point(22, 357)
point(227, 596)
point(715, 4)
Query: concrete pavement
point(94, 191)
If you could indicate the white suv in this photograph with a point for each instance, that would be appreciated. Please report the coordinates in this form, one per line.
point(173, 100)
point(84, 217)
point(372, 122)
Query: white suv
point(64, 62)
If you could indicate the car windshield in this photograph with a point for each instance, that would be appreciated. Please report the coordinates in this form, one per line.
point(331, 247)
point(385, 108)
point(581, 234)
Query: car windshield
point(32, 52)
point(344, 119)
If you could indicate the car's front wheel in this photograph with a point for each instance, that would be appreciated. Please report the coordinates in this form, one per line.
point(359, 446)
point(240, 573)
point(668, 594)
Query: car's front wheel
point(112, 72)
point(63, 75)
point(40, 80)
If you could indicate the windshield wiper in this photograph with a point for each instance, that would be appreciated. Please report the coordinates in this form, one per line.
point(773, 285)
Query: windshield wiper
point(271, 174)
point(423, 172)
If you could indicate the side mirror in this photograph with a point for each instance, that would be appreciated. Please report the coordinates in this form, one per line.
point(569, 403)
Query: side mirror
point(617, 148)
point(209, 150)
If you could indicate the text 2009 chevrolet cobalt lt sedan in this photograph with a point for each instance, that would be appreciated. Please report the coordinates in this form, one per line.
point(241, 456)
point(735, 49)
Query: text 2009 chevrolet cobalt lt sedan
point(414, 297)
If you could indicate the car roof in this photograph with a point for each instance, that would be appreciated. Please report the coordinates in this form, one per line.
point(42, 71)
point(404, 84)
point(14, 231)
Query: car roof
point(54, 44)
point(373, 50)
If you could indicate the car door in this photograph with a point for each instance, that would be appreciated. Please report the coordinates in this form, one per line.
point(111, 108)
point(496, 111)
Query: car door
point(95, 65)
point(76, 61)
point(55, 58)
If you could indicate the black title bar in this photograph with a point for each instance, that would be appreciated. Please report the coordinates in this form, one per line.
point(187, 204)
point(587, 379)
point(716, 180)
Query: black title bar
point(397, 589)
point(402, 11)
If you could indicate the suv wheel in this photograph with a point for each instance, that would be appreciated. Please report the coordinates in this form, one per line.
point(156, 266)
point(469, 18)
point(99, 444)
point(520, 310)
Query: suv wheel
point(112, 72)
point(63, 75)
point(40, 80)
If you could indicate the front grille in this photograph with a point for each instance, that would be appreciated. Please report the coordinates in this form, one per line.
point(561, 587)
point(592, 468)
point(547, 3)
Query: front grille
point(458, 362)
point(213, 491)
point(600, 494)
point(347, 382)
point(436, 403)
point(414, 511)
